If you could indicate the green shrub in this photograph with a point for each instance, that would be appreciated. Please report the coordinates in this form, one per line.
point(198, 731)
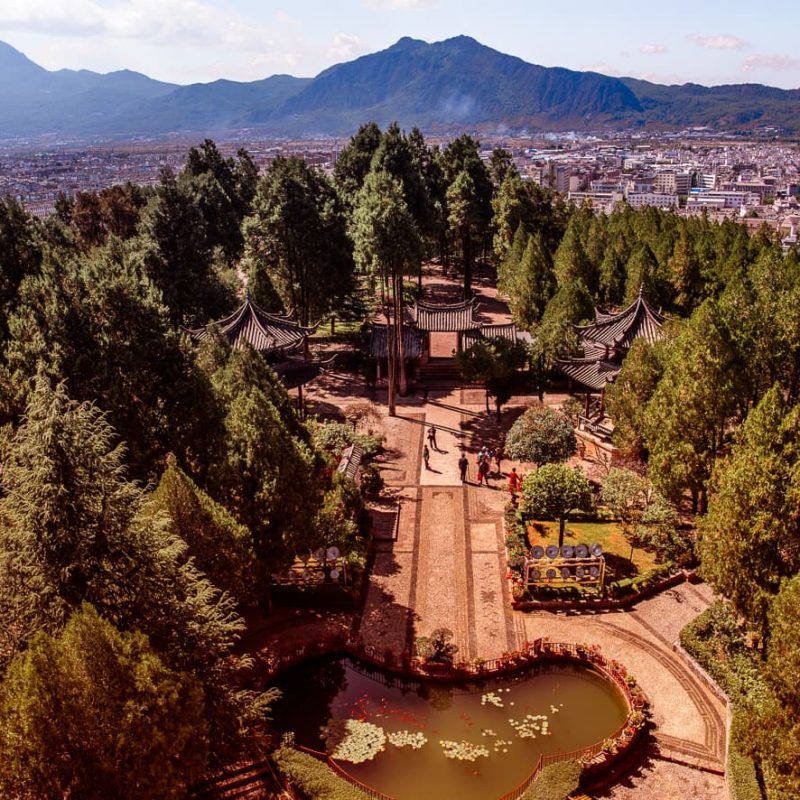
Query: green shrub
point(741, 775)
point(333, 438)
point(314, 779)
point(544, 592)
point(715, 641)
point(555, 782)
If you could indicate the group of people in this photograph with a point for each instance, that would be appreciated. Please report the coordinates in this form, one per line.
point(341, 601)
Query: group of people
point(486, 457)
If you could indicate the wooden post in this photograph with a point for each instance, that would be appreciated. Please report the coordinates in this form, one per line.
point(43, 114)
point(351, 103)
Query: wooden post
point(586, 406)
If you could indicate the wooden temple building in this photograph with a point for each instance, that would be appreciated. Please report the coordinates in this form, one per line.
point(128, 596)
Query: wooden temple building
point(431, 328)
point(279, 337)
point(604, 344)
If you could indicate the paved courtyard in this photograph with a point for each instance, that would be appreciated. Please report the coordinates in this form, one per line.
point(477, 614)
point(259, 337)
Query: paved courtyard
point(439, 561)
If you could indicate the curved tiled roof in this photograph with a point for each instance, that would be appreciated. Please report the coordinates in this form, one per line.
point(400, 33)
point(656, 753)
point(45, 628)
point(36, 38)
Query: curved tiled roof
point(413, 341)
point(264, 331)
point(638, 320)
point(594, 373)
point(449, 318)
point(505, 330)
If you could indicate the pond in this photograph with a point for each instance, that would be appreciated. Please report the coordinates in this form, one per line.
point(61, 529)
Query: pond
point(428, 740)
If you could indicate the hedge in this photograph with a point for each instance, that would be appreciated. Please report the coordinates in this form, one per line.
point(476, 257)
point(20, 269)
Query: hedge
point(702, 639)
point(312, 778)
point(555, 782)
point(331, 596)
point(741, 775)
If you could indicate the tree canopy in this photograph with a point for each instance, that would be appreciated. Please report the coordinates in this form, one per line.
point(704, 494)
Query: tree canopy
point(94, 712)
point(541, 435)
point(553, 491)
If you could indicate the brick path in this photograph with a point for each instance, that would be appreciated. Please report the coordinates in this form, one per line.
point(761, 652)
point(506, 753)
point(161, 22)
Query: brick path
point(447, 567)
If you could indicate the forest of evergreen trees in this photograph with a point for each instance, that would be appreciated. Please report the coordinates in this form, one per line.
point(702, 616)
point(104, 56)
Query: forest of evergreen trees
point(117, 595)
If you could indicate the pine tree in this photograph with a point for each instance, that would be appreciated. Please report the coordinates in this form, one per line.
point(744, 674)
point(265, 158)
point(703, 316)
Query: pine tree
point(221, 547)
point(74, 530)
point(749, 539)
point(95, 713)
point(534, 285)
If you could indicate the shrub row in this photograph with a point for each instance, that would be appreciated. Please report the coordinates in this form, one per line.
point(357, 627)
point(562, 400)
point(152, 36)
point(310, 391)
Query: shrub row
point(627, 586)
point(313, 778)
point(705, 640)
point(331, 596)
point(741, 775)
point(555, 782)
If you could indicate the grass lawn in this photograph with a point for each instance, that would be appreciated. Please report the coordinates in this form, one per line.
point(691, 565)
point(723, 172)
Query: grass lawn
point(608, 534)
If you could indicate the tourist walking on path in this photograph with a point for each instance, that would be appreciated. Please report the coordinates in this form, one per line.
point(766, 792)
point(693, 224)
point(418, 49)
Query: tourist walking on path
point(497, 455)
point(463, 465)
point(483, 471)
point(426, 456)
point(432, 438)
point(514, 482)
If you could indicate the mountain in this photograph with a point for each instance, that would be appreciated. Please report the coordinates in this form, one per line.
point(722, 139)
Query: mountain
point(34, 101)
point(445, 86)
point(455, 82)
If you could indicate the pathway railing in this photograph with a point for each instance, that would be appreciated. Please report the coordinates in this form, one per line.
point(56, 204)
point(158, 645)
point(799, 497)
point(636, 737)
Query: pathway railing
point(353, 781)
point(528, 654)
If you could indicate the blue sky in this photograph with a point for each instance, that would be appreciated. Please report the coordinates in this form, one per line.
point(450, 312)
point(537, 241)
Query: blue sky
point(705, 41)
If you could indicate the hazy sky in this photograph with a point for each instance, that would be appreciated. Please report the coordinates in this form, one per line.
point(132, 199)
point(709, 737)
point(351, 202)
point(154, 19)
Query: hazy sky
point(706, 41)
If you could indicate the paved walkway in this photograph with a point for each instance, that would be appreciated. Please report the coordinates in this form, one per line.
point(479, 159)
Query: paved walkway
point(447, 568)
point(439, 562)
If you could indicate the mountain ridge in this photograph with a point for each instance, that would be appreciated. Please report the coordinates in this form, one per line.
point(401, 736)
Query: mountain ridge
point(454, 84)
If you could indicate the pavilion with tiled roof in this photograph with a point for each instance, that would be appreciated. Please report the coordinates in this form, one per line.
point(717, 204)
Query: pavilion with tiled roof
point(444, 317)
point(279, 337)
point(414, 342)
point(264, 331)
point(618, 331)
point(504, 330)
point(606, 341)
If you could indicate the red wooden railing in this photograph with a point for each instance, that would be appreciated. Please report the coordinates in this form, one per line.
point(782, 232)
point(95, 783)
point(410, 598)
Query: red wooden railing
point(417, 669)
point(326, 759)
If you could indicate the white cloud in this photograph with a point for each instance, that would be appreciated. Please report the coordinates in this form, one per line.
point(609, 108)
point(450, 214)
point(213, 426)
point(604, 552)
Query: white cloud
point(723, 41)
point(653, 49)
point(346, 47)
point(189, 22)
point(752, 63)
point(401, 5)
point(603, 69)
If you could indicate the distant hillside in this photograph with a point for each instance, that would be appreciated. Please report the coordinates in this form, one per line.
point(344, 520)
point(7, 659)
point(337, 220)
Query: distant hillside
point(456, 82)
point(450, 85)
point(35, 101)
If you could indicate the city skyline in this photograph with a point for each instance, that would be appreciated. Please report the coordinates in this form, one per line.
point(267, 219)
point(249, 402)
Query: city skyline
point(188, 41)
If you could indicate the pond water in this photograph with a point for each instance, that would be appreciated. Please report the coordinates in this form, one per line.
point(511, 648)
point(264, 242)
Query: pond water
point(504, 724)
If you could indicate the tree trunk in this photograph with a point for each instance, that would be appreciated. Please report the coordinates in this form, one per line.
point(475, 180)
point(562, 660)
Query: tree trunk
point(497, 406)
point(562, 522)
point(391, 355)
point(398, 316)
point(487, 403)
point(466, 244)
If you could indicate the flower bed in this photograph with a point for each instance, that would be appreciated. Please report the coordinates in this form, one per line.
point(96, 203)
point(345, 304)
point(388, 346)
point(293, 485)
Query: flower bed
point(616, 594)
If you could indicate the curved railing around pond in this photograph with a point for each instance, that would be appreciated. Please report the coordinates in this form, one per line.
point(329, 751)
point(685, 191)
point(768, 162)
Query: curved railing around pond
point(531, 652)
